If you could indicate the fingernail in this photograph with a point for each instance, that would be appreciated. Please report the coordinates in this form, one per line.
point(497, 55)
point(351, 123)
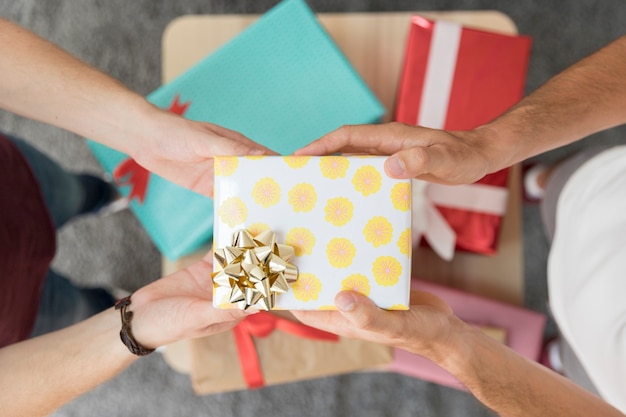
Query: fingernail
point(345, 302)
point(395, 166)
point(257, 152)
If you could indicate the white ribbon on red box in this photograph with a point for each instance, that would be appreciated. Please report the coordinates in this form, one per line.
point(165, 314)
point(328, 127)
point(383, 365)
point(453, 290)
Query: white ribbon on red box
point(440, 67)
point(429, 223)
point(427, 220)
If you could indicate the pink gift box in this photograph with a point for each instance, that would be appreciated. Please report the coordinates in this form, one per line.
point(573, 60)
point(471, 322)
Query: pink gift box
point(524, 329)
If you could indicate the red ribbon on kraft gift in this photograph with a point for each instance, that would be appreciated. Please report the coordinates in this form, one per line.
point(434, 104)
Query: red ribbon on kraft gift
point(262, 324)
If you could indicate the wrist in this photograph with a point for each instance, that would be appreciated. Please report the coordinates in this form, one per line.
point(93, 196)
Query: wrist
point(126, 333)
point(147, 324)
point(134, 119)
point(103, 334)
point(454, 352)
point(154, 132)
point(522, 132)
point(471, 356)
point(495, 146)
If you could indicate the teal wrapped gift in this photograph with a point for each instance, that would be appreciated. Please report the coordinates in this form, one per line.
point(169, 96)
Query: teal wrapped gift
point(282, 82)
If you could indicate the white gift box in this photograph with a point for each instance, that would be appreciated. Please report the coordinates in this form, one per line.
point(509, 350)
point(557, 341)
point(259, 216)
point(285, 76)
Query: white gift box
point(348, 223)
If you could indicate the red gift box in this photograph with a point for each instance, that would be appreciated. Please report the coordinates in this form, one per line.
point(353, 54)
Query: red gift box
point(458, 78)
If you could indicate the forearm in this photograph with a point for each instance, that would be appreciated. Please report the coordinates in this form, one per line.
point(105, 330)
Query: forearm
point(42, 82)
point(41, 374)
point(588, 97)
point(513, 385)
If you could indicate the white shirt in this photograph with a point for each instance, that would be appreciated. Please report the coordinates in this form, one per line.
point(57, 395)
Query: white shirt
point(587, 270)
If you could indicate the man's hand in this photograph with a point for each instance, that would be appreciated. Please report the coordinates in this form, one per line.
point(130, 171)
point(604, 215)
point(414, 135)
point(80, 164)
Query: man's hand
point(423, 329)
point(415, 152)
point(96, 106)
point(182, 150)
point(179, 306)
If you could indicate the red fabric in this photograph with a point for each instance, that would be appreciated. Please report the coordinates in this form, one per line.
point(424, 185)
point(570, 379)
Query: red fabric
point(27, 245)
point(177, 107)
point(129, 172)
point(262, 324)
point(490, 77)
point(477, 232)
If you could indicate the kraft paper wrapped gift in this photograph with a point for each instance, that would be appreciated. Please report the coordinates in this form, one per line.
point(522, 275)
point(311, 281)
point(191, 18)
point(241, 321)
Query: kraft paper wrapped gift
point(272, 348)
point(282, 81)
point(523, 328)
point(457, 78)
point(348, 224)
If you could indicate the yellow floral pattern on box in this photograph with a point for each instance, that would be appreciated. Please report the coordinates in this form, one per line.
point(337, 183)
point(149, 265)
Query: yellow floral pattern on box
point(404, 242)
point(296, 161)
point(307, 287)
point(301, 240)
point(340, 252)
point(233, 211)
point(386, 270)
point(401, 196)
point(257, 228)
point(266, 192)
point(334, 167)
point(339, 211)
point(378, 231)
point(302, 197)
point(225, 166)
point(356, 282)
point(367, 180)
point(347, 222)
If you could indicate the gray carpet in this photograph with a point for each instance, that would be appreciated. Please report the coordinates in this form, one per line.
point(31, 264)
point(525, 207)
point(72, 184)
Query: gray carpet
point(123, 39)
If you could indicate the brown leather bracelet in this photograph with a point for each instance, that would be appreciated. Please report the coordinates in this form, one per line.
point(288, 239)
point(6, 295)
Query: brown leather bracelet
point(126, 334)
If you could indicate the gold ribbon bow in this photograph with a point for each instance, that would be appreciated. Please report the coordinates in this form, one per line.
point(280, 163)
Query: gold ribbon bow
point(255, 269)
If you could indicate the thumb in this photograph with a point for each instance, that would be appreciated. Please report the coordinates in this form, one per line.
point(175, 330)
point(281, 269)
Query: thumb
point(360, 311)
point(409, 163)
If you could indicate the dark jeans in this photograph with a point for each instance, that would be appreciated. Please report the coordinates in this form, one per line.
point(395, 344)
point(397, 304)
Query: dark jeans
point(66, 195)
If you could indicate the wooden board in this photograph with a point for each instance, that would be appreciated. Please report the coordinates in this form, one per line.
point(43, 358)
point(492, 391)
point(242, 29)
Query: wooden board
point(375, 45)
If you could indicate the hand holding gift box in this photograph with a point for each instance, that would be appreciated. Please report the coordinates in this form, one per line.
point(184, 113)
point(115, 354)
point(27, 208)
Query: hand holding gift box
point(211, 360)
point(458, 78)
point(454, 78)
point(523, 330)
point(282, 68)
point(347, 222)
